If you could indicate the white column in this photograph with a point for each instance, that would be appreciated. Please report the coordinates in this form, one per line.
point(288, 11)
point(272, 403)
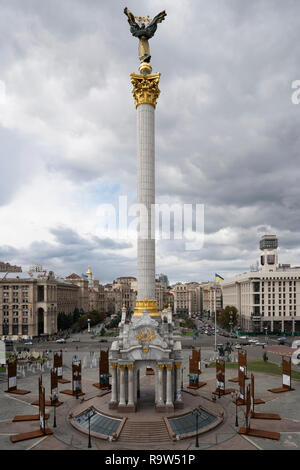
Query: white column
point(169, 401)
point(178, 382)
point(122, 385)
point(114, 394)
point(160, 369)
point(130, 384)
point(146, 197)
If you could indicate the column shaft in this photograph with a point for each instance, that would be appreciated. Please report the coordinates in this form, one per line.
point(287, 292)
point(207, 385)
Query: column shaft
point(114, 391)
point(122, 386)
point(146, 198)
point(169, 401)
point(160, 400)
point(130, 386)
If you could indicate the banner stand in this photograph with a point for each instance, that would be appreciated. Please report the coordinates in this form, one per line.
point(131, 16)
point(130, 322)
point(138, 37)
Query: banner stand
point(195, 370)
point(242, 387)
point(247, 430)
point(254, 415)
point(43, 431)
point(58, 364)
point(12, 379)
point(54, 391)
point(220, 378)
point(103, 383)
point(286, 377)
point(76, 380)
point(242, 362)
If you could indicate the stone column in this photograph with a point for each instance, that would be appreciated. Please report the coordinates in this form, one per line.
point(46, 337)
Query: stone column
point(169, 401)
point(145, 93)
point(122, 385)
point(114, 390)
point(160, 389)
point(130, 387)
point(282, 326)
point(178, 401)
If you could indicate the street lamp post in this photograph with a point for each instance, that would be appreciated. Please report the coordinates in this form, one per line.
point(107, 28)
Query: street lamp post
point(77, 390)
point(54, 422)
point(234, 396)
point(230, 322)
point(90, 415)
point(53, 399)
point(266, 332)
point(196, 414)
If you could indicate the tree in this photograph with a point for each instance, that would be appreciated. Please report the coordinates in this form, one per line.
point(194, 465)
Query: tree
point(76, 315)
point(227, 315)
point(64, 321)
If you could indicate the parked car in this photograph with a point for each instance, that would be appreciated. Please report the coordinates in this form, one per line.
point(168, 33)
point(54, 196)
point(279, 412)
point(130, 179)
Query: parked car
point(61, 340)
point(281, 340)
point(238, 346)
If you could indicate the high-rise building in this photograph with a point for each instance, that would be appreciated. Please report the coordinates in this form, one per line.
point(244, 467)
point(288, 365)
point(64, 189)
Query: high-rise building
point(268, 299)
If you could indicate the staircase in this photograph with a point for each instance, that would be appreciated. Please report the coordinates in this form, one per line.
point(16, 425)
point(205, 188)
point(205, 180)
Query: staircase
point(144, 432)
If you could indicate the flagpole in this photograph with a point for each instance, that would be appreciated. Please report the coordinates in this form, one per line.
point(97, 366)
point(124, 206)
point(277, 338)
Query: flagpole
point(215, 298)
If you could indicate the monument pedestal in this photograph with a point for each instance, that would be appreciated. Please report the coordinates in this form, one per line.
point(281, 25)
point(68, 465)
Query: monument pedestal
point(160, 408)
point(178, 405)
point(131, 408)
point(113, 405)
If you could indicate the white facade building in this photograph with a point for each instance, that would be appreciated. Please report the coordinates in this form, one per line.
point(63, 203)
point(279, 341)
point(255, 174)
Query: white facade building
point(268, 298)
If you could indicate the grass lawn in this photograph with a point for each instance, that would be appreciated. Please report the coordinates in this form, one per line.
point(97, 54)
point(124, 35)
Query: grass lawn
point(260, 366)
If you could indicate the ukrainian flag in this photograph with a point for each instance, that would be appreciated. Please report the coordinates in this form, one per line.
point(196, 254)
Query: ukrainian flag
point(218, 277)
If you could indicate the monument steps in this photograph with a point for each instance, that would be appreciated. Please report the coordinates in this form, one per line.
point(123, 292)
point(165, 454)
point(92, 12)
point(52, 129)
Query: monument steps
point(144, 432)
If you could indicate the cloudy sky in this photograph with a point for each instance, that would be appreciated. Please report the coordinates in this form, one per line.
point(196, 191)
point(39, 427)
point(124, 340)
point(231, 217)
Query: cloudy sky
point(227, 132)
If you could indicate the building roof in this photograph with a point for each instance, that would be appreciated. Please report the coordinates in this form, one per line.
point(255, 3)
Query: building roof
point(73, 276)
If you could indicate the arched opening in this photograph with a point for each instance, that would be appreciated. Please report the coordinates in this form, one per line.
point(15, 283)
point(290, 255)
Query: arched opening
point(40, 321)
point(145, 385)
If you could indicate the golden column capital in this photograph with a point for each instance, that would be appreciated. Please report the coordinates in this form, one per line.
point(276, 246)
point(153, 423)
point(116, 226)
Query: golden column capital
point(178, 365)
point(160, 366)
point(145, 88)
point(169, 366)
point(113, 365)
point(122, 366)
point(130, 366)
